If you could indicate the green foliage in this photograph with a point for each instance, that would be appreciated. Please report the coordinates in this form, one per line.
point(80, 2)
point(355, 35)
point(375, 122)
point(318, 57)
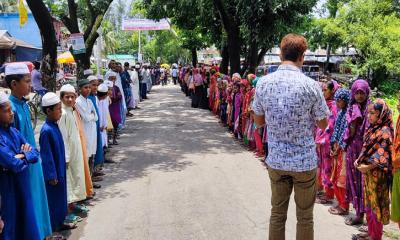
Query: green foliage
point(391, 90)
point(372, 27)
point(9, 6)
point(269, 21)
point(325, 31)
point(390, 87)
point(166, 46)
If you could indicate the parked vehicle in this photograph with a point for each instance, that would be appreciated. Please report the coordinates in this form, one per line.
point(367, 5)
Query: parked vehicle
point(260, 71)
point(272, 68)
point(311, 71)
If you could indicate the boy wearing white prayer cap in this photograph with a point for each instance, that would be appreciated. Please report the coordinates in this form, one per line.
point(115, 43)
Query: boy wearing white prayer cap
point(99, 158)
point(79, 183)
point(89, 117)
point(18, 79)
point(87, 72)
point(52, 152)
point(104, 116)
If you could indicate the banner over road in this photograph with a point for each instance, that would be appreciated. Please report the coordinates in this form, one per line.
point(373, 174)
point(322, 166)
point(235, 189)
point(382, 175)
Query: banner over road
point(136, 24)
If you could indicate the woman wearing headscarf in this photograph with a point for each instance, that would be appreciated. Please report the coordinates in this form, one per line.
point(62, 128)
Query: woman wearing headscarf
point(338, 146)
point(213, 86)
point(323, 143)
point(375, 163)
point(198, 88)
point(395, 207)
point(203, 102)
point(245, 110)
point(357, 123)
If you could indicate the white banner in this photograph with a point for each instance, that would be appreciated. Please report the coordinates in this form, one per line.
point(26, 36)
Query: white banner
point(77, 42)
point(136, 24)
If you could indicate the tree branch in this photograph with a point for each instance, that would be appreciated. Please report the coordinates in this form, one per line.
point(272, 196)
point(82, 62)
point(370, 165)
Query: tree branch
point(261, 55)
point(71, 22)
point(219, 5)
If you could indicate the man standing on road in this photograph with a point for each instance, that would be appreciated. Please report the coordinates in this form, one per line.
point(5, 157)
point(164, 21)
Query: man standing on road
point(291, 105)
point(174, 74)
point(36, 77)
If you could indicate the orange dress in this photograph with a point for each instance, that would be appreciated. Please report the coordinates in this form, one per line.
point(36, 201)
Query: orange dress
point(88, 179)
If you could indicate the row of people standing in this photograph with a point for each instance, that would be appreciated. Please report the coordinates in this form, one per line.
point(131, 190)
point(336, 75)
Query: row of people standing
point(43, 192)
point(359, 158)
point(228, 98)
point(358, 154)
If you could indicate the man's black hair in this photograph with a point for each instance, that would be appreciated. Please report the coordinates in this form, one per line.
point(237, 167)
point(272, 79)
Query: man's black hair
point(102, 94)
point(14, 77)
point(44, 109)
point(36, 64)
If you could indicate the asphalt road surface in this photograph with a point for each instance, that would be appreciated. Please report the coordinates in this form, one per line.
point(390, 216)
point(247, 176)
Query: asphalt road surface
point(180, 175)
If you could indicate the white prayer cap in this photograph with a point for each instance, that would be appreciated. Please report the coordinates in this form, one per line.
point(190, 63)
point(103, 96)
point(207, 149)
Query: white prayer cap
point(103, 88)
point(112, 74)
point(109, 84)
point(92, 78)
point(68, 88)
point(50, 99)
point(3, 98)
point(16, 68)
point(100, 77)
point(88, 72)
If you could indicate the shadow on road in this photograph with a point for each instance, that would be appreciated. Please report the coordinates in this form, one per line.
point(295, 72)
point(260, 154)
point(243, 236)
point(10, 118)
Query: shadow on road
point(162, 136)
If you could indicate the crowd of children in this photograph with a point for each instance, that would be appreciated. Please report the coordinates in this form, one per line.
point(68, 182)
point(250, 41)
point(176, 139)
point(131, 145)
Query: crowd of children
point(359, 152)
point(46, 191)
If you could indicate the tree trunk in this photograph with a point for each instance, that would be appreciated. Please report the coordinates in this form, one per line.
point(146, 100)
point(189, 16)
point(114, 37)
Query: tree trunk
point(49, 43)
point(378, 76)
point(82, 63)
point(194, 57)
point(83, 60)
point(328, 57)
point(253, 56)
point(90, 34)
point(234, 46)
point(231, 25)
point(225, 59)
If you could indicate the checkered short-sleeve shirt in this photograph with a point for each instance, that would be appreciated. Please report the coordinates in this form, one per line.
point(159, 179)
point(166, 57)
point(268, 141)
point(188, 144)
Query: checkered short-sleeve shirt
point(291, 103)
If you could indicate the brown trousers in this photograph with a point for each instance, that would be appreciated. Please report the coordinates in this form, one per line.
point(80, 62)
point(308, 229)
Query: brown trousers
point(282, 185)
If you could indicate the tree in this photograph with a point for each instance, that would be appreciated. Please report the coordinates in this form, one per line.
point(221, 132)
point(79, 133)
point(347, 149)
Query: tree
point(372, 28)
point(9, 6)
point(187, 16)
point(49, 42)
point(85, 14)
point(264, 23)
point(325, 32)
point(245, 27)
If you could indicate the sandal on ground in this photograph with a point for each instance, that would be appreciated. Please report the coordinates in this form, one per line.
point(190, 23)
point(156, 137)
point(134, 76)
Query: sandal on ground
point(363, 229)
point(56, 236)
point(351, 221)
point(71, 219)
point(323, 200)
point(68, 226)
point(338, 211)
point(360, 236)
point(81, 208)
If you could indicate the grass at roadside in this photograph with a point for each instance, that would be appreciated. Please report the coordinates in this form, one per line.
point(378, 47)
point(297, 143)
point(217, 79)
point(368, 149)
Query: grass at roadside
point(391, 90)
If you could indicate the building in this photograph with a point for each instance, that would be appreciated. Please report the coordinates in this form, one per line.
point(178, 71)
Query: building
point(16, 50)
point(209, 56)
point(28, 41)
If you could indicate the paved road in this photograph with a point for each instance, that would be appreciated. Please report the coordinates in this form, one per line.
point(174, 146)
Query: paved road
point(181, 176)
